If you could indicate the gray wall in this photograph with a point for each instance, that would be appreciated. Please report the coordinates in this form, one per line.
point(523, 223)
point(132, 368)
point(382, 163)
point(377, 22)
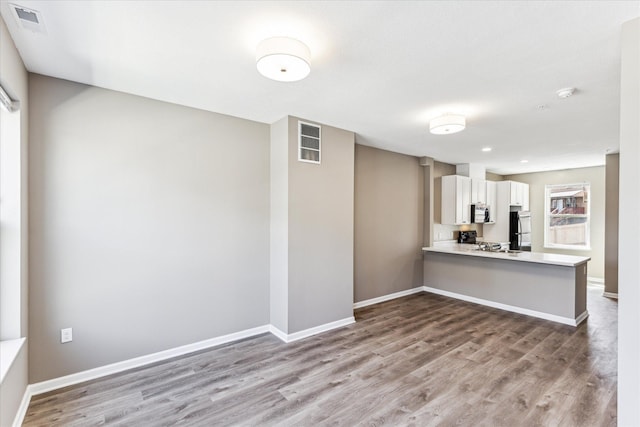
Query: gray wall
point(149, 226)
point(490, 176)
point(14, 78)
point(320, 231)
point(546, 288)
point(279, 223)
point(595, 176)
point(612, 171)
point(388, 222)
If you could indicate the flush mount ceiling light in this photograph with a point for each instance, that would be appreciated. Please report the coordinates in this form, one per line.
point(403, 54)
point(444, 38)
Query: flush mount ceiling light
point(566, 92)
point(446, 124)
point(283, 59)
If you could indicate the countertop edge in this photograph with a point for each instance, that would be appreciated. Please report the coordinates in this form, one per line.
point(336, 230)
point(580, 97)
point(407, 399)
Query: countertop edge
point(522, 257)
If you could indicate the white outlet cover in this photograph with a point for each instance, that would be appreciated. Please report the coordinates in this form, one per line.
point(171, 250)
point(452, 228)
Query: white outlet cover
point(66, 335)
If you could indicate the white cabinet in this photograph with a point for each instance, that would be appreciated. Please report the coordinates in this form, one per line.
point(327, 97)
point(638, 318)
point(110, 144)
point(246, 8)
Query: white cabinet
point(515, 194)
point(509, 195)
point(478, 191)
point(456, 200)
point(525, 197)
point(492, 200)
point(499, 212)
point(519, 195)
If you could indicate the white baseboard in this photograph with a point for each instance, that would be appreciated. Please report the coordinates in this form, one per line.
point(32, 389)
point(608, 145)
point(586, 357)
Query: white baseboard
point(67, 380)
point(22, 409)
point(79, 377)
point(388, 297)
point(610, 295)
point(581, 318)
point(311, 331)
point(512, 308)
point(278, 333)
point(595, 281)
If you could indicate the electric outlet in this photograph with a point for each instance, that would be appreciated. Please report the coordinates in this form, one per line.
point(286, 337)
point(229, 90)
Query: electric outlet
point(66, 335)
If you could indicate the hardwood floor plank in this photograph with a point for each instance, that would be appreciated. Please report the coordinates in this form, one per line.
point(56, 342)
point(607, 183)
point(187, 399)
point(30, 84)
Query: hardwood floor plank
point(422, 360)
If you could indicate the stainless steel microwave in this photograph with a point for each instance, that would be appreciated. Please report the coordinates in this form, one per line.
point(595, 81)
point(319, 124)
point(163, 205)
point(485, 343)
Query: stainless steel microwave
point(479, 214)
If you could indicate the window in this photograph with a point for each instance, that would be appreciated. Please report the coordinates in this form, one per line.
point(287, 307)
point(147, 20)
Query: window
point(566, 220)
point(308, 143)
point(10, 218)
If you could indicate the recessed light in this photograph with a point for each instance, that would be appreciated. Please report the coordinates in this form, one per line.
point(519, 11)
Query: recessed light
point(486, 149)
point(566, 92)
point(524, 161)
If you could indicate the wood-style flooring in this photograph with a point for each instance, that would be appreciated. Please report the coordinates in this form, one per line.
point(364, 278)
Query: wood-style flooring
point(421, 360)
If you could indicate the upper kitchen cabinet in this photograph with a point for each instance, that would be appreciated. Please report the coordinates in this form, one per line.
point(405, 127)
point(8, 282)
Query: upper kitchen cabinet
point(483, 192)
point(519, 195)
point(492, 200)
point(509, 196)
point(456, 200)
point(478, 191)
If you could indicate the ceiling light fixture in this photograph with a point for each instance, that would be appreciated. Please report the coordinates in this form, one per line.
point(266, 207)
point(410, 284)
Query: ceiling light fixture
point(566, 92)
point(283, 59)
point(447, 123)
point(486, 149)
point(524, 161)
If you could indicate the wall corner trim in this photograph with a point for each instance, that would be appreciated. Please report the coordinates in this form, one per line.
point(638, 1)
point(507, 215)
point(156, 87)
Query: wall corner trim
point(22, 409)
point(278, 333)
point(387, 297)
point(311, 331)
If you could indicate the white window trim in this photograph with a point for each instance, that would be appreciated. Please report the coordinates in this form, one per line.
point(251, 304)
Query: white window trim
point(547, 245)
point(11, 222)
point(300, 147)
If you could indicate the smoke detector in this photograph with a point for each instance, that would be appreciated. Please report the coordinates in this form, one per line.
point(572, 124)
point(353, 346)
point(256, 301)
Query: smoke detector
point(28, 19)
point(566, 92)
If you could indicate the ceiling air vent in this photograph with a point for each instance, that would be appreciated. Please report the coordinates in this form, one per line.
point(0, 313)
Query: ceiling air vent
point(28, 19)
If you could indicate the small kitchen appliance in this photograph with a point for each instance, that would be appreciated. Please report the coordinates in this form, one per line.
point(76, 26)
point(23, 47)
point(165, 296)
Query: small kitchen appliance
point(467, 236)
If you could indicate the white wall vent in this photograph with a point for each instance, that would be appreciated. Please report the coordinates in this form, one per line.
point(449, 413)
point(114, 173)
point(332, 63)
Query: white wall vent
point(309, 142)
point(28, 19)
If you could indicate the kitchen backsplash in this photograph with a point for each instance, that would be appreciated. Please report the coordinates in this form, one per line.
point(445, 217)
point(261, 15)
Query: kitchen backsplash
point(450, 232)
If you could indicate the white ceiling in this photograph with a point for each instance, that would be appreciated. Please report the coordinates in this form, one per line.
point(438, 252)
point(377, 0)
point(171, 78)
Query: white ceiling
point(380, 69)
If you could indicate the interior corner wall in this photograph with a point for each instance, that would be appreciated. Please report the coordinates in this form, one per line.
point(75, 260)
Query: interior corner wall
point(279, 225)
point(149, 226)
point(389, 204)
point(593, 175)
point(629, 236)
point(612, 182)
point(320, 231)
point(15, 80)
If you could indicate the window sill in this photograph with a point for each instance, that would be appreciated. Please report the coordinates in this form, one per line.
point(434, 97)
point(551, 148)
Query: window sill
point(9, 350)
point(569, 248)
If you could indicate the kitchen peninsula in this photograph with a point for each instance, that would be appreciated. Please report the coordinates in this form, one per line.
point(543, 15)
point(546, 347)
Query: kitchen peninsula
point(548, 286)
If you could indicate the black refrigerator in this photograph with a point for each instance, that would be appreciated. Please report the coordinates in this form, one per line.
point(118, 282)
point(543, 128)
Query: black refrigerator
point(520, 231)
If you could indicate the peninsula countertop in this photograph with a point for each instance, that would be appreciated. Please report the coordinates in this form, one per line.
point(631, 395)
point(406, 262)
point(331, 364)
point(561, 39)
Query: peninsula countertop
point(533, 257)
